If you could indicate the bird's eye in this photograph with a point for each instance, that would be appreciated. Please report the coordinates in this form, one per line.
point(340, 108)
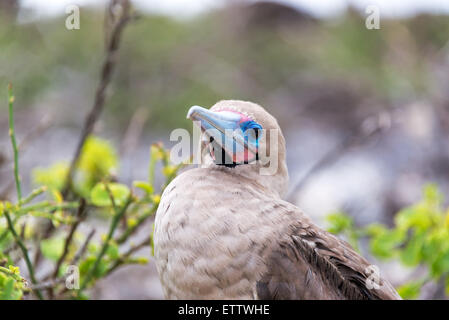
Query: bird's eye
point(251, 129)
point(254, 132)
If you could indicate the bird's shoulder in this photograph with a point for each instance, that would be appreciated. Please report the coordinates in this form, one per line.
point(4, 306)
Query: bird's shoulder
point(307, 262)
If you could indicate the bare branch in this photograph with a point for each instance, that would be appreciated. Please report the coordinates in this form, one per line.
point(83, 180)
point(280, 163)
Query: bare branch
point(107, 71)
point(120, 261)
point(80, 216)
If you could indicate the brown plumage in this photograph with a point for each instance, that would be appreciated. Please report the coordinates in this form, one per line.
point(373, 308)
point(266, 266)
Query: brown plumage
point(223, 232)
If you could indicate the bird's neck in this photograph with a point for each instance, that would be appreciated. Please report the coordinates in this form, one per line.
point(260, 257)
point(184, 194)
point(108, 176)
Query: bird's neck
point(274, 184)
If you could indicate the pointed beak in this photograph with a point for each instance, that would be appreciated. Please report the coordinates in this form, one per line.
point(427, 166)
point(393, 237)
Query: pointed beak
point(221, 121)
point(223, 128)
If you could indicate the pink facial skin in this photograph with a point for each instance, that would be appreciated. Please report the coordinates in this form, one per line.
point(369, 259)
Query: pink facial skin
point(243, 117)
point(246, 155)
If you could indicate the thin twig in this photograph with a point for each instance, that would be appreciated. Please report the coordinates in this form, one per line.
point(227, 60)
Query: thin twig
point(80, 215)
point(78, 256)
point(105, 246)
point(22, 230)
point(140, 220)
point(51, 284)
point(31, 135)
point(35, 133)
point(111, 196)
point(48, 206)
point(134, 130)
point(24, 252)
point(106, 76)
point(92, 117)
point(83, 249)
point(12, 135)
point(146, 242)
point(17, 238)
point(34, 194)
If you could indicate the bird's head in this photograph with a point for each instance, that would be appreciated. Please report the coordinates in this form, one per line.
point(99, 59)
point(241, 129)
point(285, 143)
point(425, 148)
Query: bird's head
point(243, 136)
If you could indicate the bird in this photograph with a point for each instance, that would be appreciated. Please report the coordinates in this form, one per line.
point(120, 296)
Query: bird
point(223, 230)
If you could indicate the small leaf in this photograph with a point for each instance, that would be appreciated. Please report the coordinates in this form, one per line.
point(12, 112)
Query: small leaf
point(156, 152)
point(385, 243)
point(145, 186)
point(131, 222)
point(14, 269)
point(152, 241)
point(156, 198)
point(52, 248)
point(169, 170)
point(142, 260)
point(339, 222)
point(7, 292)
point(112, 251)
point(101, 197)
point(89, 263)
point(411, 255)
point(410, 290)
point(53, 177)
point(440, 264)
point(446, 220)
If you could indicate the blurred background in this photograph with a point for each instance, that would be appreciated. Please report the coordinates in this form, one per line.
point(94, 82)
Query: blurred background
point(365, 112)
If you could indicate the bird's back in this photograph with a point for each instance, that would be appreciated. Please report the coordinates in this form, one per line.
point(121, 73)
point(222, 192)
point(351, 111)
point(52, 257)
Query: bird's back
point(219, 237)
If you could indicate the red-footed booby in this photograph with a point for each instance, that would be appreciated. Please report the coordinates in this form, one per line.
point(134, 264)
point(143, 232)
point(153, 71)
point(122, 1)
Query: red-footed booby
point(222, 230)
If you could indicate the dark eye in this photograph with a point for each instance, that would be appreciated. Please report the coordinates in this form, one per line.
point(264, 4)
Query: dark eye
point(252, 129)
point(255, 132)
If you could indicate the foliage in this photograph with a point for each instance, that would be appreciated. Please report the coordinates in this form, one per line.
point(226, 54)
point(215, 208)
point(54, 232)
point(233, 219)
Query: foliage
point(98, 160)
point(420, 237)
point(127, 208)
point(12, 285)
point(165, 72)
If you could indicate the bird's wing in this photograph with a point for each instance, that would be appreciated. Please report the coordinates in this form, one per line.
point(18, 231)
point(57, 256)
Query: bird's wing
point(310, 263)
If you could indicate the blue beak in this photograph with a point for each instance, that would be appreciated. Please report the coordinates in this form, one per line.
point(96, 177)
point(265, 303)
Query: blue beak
point(223, 128)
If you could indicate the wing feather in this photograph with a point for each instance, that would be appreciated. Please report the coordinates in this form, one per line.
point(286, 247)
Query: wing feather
point(310, 263)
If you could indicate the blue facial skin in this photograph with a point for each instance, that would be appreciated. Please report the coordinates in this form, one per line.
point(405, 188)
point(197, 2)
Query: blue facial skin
point(252, 131)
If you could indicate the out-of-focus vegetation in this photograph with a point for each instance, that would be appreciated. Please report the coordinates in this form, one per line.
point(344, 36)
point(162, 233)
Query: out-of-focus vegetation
point(168, 65)
point(268, 53)
point(124, 208)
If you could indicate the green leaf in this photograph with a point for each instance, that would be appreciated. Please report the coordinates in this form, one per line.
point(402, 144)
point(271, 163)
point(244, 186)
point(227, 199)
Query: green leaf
point(89, 263)
point(112, 251)
point(98, 161)
point(440, 264)
point(411, 255)
point(437, 241)
point(374, 229)
point(98, 158)
point(86, 264)
point(145, 186)
point(431, 195)
point(52, 248)
point(101, 197)
point(410, 290)
point(7, 290)
point(385, 242)
point(52, 177)
point(417, 217)
point(11, 284)
point(339, 222)
point(152, 240)
point(81, 296)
